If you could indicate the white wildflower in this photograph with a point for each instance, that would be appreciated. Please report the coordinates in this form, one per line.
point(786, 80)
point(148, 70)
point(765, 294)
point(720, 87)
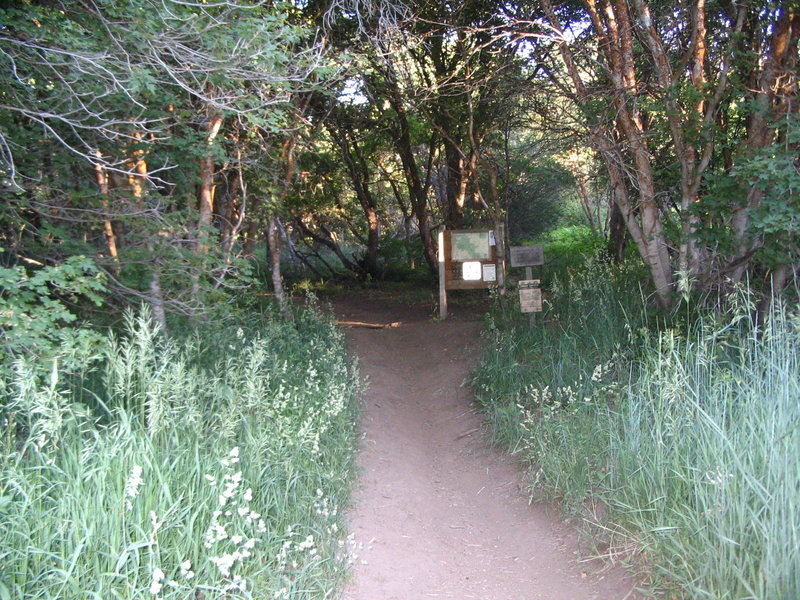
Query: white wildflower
point(224, 562)
point(307, 543)
point(154, 523)
point(186, 570)
point(155, 582)
point(133, 484)
point(233, 457)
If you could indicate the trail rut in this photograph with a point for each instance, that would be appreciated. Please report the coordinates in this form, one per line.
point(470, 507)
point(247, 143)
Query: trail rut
point(438, 513)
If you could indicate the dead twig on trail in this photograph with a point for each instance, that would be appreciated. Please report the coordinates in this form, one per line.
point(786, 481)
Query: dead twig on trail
point(369, 325)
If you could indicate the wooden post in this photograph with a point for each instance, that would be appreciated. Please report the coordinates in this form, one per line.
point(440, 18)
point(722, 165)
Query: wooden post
point(442, 287)
point(532, 320)
point(500, 249)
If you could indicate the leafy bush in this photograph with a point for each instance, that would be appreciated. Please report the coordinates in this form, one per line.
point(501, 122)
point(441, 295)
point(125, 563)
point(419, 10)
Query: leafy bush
point(37, 310)
point(215, 466)
point(569, 247)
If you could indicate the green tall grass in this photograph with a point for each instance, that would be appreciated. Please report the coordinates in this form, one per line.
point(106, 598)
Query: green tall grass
point(550, 366)
point(211, 467)
point(678, 446)
point(706, 458)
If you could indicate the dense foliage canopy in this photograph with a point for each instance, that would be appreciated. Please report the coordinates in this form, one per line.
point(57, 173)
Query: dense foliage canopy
point(162, 140)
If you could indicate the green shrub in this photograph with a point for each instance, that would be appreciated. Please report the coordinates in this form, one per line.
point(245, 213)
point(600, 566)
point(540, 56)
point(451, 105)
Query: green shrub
point(569, 247)
point(37, 312)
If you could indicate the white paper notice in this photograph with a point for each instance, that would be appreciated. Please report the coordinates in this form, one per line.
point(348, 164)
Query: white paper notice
point(471, 271)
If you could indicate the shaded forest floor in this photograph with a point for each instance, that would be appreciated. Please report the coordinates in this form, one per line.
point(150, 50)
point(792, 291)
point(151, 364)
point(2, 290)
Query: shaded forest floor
point(438, 513)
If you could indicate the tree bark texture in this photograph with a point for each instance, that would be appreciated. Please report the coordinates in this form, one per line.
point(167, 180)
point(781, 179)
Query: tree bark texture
point(205, 194)
point(136, 179)
point(108, 227)
point(612, 25)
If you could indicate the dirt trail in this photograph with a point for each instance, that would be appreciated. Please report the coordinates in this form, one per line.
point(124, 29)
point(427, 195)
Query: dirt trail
point(437, 512)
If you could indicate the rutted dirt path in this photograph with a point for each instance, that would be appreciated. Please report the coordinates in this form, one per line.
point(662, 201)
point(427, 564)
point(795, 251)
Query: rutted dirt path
point(438, 514)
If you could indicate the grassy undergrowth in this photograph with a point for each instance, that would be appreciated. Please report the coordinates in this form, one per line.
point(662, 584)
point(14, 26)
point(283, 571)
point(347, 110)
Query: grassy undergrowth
point(678, 446)
point(208, 467)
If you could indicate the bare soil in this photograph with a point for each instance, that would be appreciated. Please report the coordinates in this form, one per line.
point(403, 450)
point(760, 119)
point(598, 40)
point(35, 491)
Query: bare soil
point(438, 512)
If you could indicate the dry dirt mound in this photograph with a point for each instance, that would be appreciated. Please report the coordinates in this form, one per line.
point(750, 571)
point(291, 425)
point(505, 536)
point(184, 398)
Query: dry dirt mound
point(438, 513)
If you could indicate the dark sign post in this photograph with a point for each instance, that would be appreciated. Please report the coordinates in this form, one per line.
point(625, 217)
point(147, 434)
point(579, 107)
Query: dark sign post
point(530, 294)
point(467, 261)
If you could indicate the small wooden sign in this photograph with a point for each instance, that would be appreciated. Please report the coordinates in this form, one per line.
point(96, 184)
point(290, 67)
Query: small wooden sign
point(527, 256)
point(530, 296)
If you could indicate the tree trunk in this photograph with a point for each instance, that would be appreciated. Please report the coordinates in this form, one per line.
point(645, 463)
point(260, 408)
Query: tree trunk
point(615, 37)
point(457, 184)
point(206, 191)
point(136, 179)
point(617, 234)
point(274, 244)
point(585, 200)
point(359, 175)
point(327, 240)
point(691, 137)
point(253, 229)
point(235, 209)
point(418, 194)
point(108, 228)
point(759, 133)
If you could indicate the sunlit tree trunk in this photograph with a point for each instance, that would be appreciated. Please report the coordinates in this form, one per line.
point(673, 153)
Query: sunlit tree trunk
point(690, 123)
point(136, 179)
point(615, 36)
point(206, 191)
point(108, 228)
point(205, 195)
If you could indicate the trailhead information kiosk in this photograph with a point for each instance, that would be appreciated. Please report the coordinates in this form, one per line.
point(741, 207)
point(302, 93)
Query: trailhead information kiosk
point(467, 261)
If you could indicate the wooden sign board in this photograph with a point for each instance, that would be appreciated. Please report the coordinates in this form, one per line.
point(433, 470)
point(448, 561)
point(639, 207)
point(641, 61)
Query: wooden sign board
point(530, 296)
point(527, 256)
point(469, 259)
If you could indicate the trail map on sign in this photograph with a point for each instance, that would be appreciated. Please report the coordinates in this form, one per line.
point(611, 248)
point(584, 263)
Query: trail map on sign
point(472, 245)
